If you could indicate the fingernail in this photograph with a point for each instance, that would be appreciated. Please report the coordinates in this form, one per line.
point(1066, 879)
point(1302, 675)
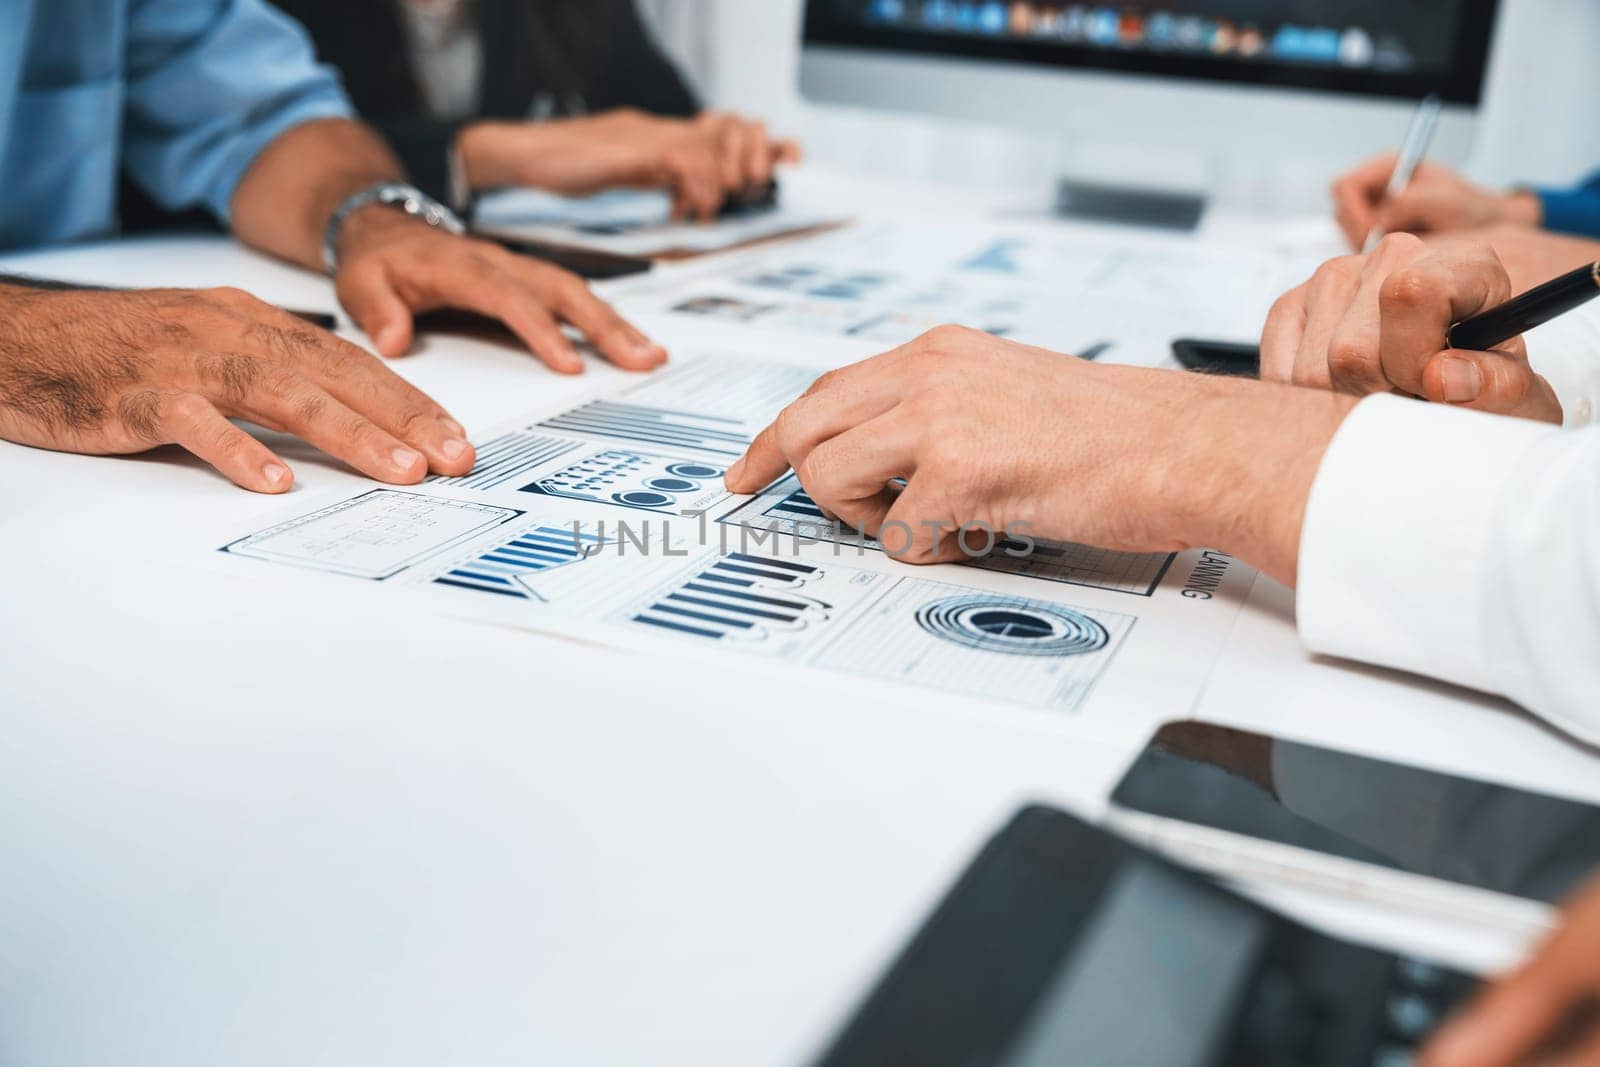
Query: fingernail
point(404, 458)
point(453, 449)
point(275, 474)
point(389, 338)
point(735, 471)
point(453, 428)
point(1462, 380)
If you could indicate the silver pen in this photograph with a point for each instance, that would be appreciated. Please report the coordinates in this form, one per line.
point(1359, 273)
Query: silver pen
point(1412, 151)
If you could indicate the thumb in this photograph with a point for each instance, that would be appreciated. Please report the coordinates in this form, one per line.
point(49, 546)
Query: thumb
point(1501, 383)
point(380, 312)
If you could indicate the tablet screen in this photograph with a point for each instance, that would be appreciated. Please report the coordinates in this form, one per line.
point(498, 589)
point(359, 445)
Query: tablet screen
point(1405, 818)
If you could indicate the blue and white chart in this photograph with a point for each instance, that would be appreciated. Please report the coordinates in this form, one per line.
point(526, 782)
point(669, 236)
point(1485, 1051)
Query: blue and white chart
point(785, 507)
point(1069, 291)
point(709, 408)
point(928, 634)
point(607, 519)
point(629, 222)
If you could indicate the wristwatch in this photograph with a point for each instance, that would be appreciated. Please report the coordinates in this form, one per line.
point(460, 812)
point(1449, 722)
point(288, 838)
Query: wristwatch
point(407, 198)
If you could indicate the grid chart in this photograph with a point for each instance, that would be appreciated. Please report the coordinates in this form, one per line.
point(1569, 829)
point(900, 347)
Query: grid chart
point(509, 457)
point(740, 597)
point(540, 548)
point(1139, 574)
point(375, 536)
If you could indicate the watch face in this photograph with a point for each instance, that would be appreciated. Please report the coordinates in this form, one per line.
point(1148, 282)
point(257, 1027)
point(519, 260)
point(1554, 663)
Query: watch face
point(416, 203)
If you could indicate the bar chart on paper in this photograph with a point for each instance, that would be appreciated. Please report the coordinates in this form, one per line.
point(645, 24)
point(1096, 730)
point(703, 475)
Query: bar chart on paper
point(758, 603)
point(787, 508)
point(714, 434)
point(740, 596)
point(540, 548)
point(508, 457)
point(711, 407)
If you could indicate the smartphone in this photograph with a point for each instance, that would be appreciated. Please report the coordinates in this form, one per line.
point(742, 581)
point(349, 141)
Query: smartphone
point(1242, 804)
point(1228, 358)
point(1064, 944)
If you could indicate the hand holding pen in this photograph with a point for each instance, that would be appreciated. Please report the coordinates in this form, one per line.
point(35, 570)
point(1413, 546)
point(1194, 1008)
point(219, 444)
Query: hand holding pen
point(1412, 150)
point(1383, 323)
point(1399, 192)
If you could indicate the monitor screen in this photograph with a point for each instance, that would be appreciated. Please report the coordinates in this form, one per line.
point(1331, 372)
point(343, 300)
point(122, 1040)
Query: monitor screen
point(1392, 48)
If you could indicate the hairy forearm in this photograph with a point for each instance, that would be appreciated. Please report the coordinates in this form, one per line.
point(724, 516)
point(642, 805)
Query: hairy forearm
point(284, 202)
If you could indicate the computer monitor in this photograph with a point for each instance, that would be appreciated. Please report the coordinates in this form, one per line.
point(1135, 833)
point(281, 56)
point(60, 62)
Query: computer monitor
point(1235, 82)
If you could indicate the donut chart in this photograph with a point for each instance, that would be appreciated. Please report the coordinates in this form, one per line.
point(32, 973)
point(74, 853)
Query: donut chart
point(1012, 626)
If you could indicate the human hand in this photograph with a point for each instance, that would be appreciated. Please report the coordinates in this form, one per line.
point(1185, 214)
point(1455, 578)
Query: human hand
point(1437, 199)
point(1553, 999)
point(392, 267)
point(997, 436)
point(1377, 323)
point(701, 161)
point(1531, 257)
point(119, 373)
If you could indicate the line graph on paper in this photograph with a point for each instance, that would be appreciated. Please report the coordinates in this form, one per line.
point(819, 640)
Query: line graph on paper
point(786, 508)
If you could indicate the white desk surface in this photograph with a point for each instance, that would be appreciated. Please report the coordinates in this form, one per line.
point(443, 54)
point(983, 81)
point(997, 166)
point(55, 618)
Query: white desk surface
point(247, 825)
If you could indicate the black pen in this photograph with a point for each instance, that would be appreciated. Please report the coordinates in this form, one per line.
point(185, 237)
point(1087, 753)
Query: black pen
point(322, 319)
point(1522, 313)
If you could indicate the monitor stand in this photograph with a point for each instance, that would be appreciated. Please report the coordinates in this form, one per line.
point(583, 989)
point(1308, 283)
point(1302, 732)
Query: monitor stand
point(1129, 205)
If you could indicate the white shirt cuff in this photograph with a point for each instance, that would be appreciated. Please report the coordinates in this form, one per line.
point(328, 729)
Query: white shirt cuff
point(1566, 351)
point(1397, 542)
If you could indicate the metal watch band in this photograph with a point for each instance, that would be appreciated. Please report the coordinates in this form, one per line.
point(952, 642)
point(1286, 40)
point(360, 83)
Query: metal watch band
point(407, 198)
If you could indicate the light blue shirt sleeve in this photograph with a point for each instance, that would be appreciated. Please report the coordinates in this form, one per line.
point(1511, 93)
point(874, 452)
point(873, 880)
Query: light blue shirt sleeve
point(210, 83)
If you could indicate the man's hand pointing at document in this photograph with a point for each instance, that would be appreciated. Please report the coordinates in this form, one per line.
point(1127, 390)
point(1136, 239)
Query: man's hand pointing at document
point(992, 434)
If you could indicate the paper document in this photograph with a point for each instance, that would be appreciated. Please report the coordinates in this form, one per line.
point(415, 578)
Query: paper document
point(1128, 297)
point(606, 518)
point(629, 222)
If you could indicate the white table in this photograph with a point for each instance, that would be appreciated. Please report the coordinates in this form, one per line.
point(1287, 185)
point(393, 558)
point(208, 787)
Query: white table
point(246, 825)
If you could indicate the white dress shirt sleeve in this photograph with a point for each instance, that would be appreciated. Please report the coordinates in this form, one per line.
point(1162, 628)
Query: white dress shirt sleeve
point(1462, 546)
point(1566, 351)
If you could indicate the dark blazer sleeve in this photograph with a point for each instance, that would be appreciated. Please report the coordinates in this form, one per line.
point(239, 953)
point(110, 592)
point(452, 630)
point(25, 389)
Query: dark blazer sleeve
point(638, 73)
point(423, 145)
point(365, 42)
point(608, 59)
